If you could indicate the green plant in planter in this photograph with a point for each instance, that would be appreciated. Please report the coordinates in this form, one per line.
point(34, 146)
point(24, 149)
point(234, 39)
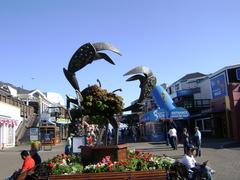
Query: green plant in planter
point(136, 161)
point(101, 106)
point(35, 144)
point(63, 165)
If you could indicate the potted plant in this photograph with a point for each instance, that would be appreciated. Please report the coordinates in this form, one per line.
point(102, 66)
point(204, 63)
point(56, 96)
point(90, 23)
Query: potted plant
point(36, 145)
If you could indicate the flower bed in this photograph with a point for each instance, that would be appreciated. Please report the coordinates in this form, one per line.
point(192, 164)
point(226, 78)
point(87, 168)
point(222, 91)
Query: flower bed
point(137, 165)
point(61, 165)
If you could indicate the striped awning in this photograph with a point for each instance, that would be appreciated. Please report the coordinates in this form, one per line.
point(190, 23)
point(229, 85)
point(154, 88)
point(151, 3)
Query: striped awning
point(8, 121)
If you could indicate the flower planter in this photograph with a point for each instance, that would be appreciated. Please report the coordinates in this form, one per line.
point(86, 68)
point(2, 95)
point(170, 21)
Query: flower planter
point(94, 154)
point(153, 175)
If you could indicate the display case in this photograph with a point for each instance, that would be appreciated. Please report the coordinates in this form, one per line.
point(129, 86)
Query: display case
point(50, 135)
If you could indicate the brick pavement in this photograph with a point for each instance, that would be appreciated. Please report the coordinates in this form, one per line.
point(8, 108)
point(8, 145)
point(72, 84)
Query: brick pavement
point(226, 161)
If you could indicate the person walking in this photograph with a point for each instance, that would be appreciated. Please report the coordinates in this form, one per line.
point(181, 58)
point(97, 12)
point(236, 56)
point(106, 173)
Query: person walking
point(68, 146)
point(185, 137)
point(198, 141)
point(173, 137)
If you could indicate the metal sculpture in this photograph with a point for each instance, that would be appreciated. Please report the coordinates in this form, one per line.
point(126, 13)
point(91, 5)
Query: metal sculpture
point(147, 83)
point(165, 105)
point(85, 55)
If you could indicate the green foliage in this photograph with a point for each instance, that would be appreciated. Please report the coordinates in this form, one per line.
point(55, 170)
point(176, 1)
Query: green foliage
point(136, 161)
point(63, 164)
point(100, 105)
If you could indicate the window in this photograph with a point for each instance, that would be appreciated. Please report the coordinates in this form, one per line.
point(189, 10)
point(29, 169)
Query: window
point(204, 124)
point(177, 87)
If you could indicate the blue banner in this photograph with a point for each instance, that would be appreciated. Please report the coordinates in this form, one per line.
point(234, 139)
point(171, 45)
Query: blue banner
point(219, 87)
point(154, 115)
point(179, 113)
point(238, 74)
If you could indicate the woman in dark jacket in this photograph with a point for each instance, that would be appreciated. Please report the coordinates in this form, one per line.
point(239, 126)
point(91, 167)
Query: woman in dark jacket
point(185, 140)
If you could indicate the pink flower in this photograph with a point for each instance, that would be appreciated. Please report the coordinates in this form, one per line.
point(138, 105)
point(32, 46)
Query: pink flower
point(107, 158)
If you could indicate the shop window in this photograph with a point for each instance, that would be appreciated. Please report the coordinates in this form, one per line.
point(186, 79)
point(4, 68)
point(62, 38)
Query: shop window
point(204, 124)
point(199, 124)
point(207, 124)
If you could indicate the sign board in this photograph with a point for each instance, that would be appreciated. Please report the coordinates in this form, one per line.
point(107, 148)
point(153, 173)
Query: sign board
point(63, 121)
point(34, 134)
point(77, 142)
point(219, 86)
point(179, 113)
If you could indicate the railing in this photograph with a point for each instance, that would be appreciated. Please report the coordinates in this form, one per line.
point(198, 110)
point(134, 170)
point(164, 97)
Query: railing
point(23, 127)
point(195, 104)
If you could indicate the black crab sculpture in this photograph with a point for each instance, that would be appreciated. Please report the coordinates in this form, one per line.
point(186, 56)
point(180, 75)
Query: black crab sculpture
point(85, 55)
point(147, 83)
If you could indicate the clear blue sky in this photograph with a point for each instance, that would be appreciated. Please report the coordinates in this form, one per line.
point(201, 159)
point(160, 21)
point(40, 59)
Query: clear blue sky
point(172, 37)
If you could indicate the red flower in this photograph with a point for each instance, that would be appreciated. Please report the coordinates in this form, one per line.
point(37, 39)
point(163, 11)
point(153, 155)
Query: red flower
point(137, 152)
point(51, 165)
point(110, 168)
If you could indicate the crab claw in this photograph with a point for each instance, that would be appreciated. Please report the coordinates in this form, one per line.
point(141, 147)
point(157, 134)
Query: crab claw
point(88, 53)
point(85, 55)
point(71, 77)
point(106, 46)
point(140, 69)
point(147, 83)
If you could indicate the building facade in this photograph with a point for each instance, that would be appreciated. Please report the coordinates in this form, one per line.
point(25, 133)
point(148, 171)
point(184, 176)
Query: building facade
point(13, 113)
point(225, 104)
point(213, 101)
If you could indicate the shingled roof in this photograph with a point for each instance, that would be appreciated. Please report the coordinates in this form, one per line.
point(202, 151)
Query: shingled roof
point(192, 76)
point(19, 89)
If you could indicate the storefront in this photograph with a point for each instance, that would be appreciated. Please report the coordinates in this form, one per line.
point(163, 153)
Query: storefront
point(7, 132)
point(50, 134)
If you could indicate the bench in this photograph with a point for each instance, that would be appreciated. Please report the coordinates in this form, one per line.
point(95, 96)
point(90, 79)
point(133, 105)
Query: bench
point(182, 172)
point(27, 175)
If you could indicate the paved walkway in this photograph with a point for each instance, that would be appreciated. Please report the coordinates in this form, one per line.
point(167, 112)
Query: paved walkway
point(223, 156)
point(10, 159)
point(226, 161)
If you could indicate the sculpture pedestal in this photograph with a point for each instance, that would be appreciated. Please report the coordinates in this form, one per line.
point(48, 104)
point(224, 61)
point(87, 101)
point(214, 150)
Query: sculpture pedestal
point(95, 154)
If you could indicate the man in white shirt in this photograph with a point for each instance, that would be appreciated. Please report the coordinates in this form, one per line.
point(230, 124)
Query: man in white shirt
point(173, 137)
point(195, 169)
point(198, 141)
point(68, 146)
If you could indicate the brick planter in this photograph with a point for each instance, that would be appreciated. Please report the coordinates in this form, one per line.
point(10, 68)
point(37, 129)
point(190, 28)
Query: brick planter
point(143, 175)
point(95, 154)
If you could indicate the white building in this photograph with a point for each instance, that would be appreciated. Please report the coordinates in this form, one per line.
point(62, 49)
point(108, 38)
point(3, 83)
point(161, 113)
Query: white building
point(20, 108)
point(10, 116)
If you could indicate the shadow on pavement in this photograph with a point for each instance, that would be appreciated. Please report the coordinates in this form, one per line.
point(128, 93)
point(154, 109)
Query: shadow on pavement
point(216, 143)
